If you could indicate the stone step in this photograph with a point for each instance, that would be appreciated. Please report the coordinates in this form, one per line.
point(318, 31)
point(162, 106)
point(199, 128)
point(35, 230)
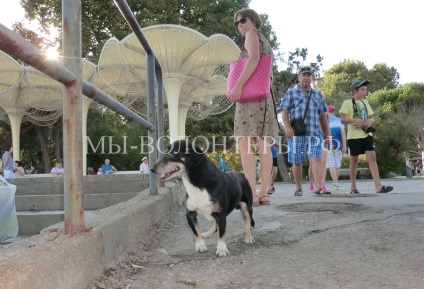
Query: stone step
point(31, 223)
point(56, 202)
point(53, 185)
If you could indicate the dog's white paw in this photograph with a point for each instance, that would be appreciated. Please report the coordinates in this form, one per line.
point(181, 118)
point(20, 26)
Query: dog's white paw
point(249, 240)
point(221, 249)
point(201, 246)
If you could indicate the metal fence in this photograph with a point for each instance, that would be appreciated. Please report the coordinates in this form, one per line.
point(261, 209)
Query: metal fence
point(69, 74)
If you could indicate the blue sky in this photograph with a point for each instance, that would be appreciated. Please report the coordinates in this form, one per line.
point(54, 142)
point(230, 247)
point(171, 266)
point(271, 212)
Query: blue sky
point(370, 31)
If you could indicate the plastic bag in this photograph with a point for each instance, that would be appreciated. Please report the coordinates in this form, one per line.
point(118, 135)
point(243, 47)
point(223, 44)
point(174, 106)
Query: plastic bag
point(223, 167)
point(8, 218)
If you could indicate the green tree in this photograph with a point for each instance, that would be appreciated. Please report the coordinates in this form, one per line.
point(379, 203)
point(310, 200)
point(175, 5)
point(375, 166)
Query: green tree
point(382, 76)
point(102, 20)
point(113, 137)
point(286, 79)
point(399, 124)
point(337, 80)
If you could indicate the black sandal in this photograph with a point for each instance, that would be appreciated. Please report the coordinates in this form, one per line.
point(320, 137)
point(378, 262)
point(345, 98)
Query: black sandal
point(354, 191)
point(271, 190)
point(322, 192)
point(385, 189)
point(298, 193)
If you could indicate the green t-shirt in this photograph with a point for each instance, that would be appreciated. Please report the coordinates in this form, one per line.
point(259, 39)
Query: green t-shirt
point(354, 131)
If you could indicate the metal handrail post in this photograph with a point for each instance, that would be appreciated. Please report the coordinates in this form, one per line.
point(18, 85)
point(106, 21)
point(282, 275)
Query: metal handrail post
point(72, 119)
point(151, 63)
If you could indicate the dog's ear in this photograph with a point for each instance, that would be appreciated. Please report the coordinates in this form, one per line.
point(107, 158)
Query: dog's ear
point(177, 147)
point(193, 155)
point(194, 149)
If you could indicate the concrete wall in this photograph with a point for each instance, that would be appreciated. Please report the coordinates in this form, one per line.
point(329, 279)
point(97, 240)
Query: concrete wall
point(53, 185)
point(39, 199)
point(54, 260)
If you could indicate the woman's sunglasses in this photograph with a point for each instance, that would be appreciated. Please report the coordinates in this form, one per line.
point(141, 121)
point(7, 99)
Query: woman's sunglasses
point(242, 21)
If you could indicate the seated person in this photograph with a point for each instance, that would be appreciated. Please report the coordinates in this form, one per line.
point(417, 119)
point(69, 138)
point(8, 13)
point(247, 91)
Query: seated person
point(58, 170)
point(107, 168)
point(90, 171)
point(19, 170)
point(144, 167)
point(28, 169)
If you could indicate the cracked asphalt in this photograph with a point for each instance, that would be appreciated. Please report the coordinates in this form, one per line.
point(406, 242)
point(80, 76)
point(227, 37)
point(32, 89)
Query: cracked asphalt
point(335, 241)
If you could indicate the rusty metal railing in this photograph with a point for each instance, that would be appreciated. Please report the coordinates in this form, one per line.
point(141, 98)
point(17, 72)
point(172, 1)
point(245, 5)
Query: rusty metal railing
point(70, 75)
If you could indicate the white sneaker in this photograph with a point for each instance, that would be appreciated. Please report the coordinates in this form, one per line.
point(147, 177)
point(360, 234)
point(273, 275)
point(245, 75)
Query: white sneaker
point(335, 186)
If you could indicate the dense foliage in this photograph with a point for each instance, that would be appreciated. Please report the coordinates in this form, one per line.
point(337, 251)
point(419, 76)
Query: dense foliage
point(398, 108)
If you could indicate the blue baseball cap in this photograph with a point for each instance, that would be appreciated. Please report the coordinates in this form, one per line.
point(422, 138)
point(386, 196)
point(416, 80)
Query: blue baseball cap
point(358, 83)
point(305, 69)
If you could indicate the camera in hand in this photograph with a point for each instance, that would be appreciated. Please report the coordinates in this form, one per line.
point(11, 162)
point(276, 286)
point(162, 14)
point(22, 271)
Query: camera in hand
point(368, 130)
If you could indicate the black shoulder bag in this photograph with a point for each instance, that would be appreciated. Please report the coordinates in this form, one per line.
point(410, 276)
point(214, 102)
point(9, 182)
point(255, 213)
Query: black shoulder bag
point(298, 124)
point(356, 111)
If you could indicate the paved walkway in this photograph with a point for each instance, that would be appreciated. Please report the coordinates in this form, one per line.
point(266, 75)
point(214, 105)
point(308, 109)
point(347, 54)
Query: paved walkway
point(335, 241)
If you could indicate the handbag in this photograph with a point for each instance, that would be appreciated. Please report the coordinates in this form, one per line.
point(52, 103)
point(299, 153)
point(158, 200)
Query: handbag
point(257, 87)
point(298, 124)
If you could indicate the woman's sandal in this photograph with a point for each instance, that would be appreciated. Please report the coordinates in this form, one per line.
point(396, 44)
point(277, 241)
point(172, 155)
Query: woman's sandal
point(255, 201)
point(264, 200)
point(322, 192)
point(271, 190)
point(385, 189)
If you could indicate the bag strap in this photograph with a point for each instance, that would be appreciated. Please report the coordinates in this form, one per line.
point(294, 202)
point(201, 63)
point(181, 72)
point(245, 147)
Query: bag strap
point(275, 106)
point(307, 105)
point(261, 43)
point(355, 108)
point(366, 110)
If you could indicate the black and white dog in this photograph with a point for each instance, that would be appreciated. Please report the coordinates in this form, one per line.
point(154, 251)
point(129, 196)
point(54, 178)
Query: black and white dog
point(209, 191)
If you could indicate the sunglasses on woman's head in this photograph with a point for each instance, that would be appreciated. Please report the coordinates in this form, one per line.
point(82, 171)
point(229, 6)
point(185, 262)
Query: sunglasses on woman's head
point(242, 21)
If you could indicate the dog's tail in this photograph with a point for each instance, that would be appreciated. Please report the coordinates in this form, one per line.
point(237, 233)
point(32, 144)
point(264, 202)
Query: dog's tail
point(247, 197)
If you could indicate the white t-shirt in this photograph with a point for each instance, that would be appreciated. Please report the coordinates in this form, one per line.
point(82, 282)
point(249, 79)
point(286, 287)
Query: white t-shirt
point(57, 170)
point(144, 168)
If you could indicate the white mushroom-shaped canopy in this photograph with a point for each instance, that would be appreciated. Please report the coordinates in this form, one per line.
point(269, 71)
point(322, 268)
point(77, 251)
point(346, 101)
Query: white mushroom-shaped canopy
point(194, 68)
point(11, 73)
point(26, 94)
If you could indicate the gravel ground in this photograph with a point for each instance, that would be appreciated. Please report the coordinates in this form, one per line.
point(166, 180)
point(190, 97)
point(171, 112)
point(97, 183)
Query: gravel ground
point(307, 242)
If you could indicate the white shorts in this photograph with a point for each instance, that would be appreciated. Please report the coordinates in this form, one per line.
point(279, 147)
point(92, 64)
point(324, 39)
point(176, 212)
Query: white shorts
point(8, 174)
point(334, 160)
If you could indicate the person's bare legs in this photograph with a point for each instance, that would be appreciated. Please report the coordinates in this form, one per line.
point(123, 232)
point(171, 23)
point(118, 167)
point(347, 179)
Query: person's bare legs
point(323, 165)
point(310, 174)
point(297, 175)
point(372, 164)
point(352, 171)
point(317, 172)
point(265, 160)
point(248, 162)
point(334, 172)
point(274, 171)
